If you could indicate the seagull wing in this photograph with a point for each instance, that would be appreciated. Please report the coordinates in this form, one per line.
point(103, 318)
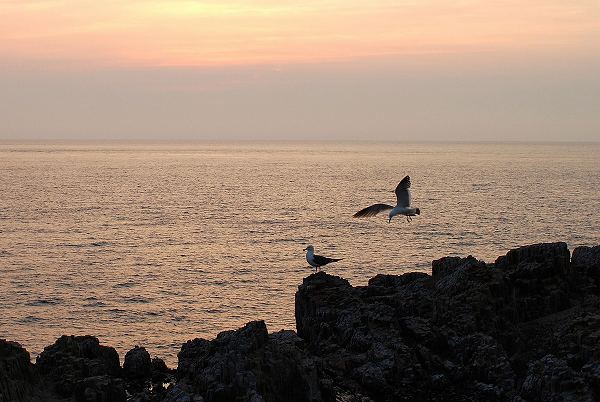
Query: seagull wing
point(320, 260)
point(403, 192)
point(372, 210)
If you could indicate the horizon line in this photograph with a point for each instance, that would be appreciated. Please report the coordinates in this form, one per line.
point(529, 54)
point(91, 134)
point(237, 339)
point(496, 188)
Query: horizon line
point(154, 141)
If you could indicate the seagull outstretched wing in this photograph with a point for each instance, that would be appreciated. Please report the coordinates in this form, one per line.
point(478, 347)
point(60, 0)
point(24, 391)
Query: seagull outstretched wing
point(372, 210)
point(403, 192)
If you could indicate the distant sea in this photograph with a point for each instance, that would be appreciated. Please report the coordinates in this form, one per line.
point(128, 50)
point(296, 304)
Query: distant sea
point(153, 245)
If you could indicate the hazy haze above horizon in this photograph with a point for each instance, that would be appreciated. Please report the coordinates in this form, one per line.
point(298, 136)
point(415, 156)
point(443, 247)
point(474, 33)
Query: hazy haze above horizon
point(335, 70)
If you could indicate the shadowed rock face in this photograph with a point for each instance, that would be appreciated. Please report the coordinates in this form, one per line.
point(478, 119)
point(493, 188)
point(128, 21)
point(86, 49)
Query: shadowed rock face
point(137, 364)
point(80, 366)
point(526, 328)
point(250, 365)
point(472, 331)
point(73, 358)
point(16, 372)
point(100, 389)
point(585, 269)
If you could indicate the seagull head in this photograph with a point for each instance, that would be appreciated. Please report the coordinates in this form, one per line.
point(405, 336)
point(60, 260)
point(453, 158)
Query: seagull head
point(309, 248)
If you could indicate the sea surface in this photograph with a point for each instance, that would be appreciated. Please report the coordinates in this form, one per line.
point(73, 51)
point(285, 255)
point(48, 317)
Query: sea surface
point(155, 244)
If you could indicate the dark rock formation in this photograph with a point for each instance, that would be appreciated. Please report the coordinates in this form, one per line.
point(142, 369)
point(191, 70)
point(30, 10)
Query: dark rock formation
point(585, 269)
point(100, 389)
point(514, 330)
point(250, 365)
point(524, 329)
point(537, 276)
point(137, 364)
point(552, 379)
point(160, 372)
point(367, 341)
point(72, 359)
point(78, 368)
point(16, 372)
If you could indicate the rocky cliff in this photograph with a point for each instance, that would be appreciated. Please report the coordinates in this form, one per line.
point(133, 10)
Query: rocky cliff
point(525, 328)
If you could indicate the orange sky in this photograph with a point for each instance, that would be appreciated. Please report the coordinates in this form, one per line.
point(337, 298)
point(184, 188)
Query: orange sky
point(200, 33)
point(394, 70)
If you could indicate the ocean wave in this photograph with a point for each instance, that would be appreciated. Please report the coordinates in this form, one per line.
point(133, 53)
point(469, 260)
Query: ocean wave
point(127, 284)
point(30, 319)
point(101, 244)
point(95, 304)
point(43, 302)
point(136, 299)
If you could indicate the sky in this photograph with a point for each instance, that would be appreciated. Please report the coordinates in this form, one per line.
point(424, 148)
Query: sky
point(403, 70)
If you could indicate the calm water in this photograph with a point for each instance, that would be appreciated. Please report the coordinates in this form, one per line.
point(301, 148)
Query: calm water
point(157, 244)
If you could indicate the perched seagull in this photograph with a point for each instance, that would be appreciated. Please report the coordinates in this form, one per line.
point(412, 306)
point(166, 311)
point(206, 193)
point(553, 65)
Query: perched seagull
point(317, 261)
point(402, 204)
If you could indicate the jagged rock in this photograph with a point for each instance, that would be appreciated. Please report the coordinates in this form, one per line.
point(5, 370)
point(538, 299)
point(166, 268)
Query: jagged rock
point(585, 269)
point(446, 265)
point(137, 364)
point(549, 258)
point(409, 294)
point(16, 372)
point(73, 358)
point(538, 275)
point(483, 365)
point(550, 379)
point(586, 257)
point(317, 302)
point(368, 341)
point(250, 365)
point(159, 366)
point(579, 339)
point(468, 332)
point(100, 389)
point(181, 393)
point(591, 372)
point(160, 372)
point(469, 296)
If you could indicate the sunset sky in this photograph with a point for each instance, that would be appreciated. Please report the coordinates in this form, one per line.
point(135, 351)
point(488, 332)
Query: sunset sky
point(330, 69)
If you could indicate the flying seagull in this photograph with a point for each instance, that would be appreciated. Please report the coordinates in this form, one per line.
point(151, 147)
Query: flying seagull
point(402, 204)
point(317, 261)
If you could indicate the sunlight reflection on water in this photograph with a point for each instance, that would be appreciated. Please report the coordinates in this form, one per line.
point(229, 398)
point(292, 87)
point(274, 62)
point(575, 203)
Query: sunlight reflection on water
point(153, 245)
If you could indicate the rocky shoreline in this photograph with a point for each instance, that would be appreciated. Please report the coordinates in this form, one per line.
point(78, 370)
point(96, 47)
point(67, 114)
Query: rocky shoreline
point(525, 328)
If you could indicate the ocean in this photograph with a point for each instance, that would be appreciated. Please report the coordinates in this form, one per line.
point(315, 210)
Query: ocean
point(155, 244)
